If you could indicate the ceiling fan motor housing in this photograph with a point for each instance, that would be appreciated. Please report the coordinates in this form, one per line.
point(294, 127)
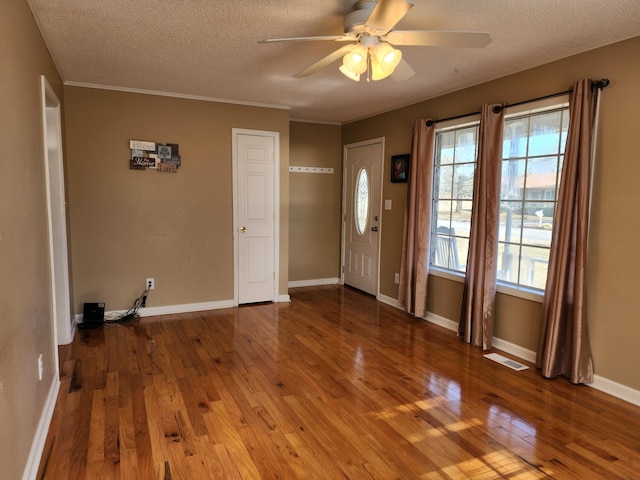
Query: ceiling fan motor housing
point(354, 21)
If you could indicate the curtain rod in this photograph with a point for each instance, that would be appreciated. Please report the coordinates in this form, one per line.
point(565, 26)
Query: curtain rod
point(602, 83)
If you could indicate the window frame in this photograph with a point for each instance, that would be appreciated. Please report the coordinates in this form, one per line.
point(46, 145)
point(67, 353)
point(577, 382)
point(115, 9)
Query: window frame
point(455, 124)
point(527, 109)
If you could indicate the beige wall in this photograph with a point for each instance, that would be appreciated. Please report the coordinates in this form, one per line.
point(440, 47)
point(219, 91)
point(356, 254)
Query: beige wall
point(26, 324)
point(315, 203)
point(127, 225)
point(614, 261)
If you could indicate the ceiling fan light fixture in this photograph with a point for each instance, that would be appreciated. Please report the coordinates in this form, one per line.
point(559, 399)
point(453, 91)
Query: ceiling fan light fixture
point(356, 60)
point(384, 60)
point(377, 72)
point(369, 31)
point(349, 74)
point(387, 56)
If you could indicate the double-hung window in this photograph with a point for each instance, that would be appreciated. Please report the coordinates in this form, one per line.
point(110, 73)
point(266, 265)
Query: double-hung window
point(455, 164)
point(533, 152)
point(532, 156)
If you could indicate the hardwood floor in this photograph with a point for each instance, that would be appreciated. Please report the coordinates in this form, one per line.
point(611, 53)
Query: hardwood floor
point(332, 385)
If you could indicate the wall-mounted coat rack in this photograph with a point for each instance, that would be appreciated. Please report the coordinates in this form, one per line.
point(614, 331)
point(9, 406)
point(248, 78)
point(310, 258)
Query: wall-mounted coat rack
point(310, 169)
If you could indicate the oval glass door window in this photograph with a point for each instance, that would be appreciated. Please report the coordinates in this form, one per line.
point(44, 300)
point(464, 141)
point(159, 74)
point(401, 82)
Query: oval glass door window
point(362, 201)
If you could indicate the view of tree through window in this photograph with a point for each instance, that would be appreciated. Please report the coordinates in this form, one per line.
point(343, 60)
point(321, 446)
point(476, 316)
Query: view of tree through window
point(455, 163)
point(533, 148)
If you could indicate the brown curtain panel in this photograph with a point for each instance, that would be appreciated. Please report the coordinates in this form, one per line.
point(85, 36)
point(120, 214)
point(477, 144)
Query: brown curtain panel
point(414, 267)
point(478, 297)
point(564, 341)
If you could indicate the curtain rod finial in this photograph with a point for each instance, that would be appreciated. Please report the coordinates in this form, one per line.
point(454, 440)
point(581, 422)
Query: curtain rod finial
point(602, 83)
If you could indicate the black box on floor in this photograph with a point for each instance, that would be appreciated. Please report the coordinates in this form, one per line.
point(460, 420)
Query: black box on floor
point(93, 315)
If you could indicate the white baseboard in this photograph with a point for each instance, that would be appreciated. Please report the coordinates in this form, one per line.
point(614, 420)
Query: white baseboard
point(616, 389)
point(39, 439)
point(283, 298)
point(389, 301)
point(197, 307)
point(605, 385)
point(169, 309)
point(182, 308)
point(442, 321)
point(185, 308)
point(515, 350)
point(313, 282)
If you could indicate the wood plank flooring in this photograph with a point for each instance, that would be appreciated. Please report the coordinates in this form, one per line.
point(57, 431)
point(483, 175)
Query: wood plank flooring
point(333, 385)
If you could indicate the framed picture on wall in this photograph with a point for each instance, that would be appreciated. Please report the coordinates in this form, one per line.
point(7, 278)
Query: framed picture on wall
point(400, 168)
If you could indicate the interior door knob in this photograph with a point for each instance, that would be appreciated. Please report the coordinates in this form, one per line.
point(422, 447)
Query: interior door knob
point(243, 229)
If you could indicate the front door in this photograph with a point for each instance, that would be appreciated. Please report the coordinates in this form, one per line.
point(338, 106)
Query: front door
point(363, 163)
point(255, 215)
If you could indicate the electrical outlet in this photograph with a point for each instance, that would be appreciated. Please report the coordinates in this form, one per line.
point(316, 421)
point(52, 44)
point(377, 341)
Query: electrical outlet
point(151, 283)
point(40, 367)
point(397, 279)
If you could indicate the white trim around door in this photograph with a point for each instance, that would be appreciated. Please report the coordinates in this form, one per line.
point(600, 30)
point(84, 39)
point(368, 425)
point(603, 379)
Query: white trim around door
point(273, 187)
point(362, 261)
point(64, 324)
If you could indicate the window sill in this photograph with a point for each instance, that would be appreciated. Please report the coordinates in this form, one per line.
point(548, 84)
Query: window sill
point(531, 294)
point(448, 274)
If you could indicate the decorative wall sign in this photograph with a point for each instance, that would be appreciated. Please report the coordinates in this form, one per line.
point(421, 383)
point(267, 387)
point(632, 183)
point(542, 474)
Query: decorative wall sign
point(157, 156)
point(164, 152)
point(141, 145)
point(143, 162)
point(167, 168)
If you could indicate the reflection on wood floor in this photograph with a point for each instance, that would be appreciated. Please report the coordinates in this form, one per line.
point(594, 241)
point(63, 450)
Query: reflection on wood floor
point(332, 385)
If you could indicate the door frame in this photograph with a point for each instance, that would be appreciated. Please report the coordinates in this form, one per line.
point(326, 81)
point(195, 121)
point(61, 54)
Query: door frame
point(345, 188)
point(63, 321)
point(276, 202)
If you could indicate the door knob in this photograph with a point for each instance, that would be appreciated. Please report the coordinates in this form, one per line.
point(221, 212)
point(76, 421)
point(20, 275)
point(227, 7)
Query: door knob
point(374, 229)
point(243, 229)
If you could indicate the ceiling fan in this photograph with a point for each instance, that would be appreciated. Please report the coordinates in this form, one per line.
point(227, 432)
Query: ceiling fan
point(371, 39)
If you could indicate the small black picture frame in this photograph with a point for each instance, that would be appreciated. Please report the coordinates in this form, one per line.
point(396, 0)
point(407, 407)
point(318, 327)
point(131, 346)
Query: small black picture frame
point(400, 168)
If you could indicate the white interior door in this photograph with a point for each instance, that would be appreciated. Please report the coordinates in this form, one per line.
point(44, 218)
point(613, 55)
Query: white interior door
point(255, 161)
point(56, 209)
point(363, 163)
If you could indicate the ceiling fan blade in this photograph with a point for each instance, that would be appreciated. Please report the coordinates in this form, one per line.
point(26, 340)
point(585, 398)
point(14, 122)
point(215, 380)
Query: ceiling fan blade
point(335, 38)
point(437, 38)
point(403, 71)
point(332, 57)
point(387, 13)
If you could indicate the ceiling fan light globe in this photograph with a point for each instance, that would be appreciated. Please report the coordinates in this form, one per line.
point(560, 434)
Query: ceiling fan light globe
point(349, 74)
point(356, 60)
point(392, 58)
point(387, 56)
point(379, 71)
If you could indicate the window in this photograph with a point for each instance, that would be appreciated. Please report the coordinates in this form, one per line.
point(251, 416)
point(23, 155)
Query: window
point(455, 164)
point(533, 151)
point(362, 201)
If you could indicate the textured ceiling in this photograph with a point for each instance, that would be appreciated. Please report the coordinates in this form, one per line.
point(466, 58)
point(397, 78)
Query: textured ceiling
point(208, 48)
